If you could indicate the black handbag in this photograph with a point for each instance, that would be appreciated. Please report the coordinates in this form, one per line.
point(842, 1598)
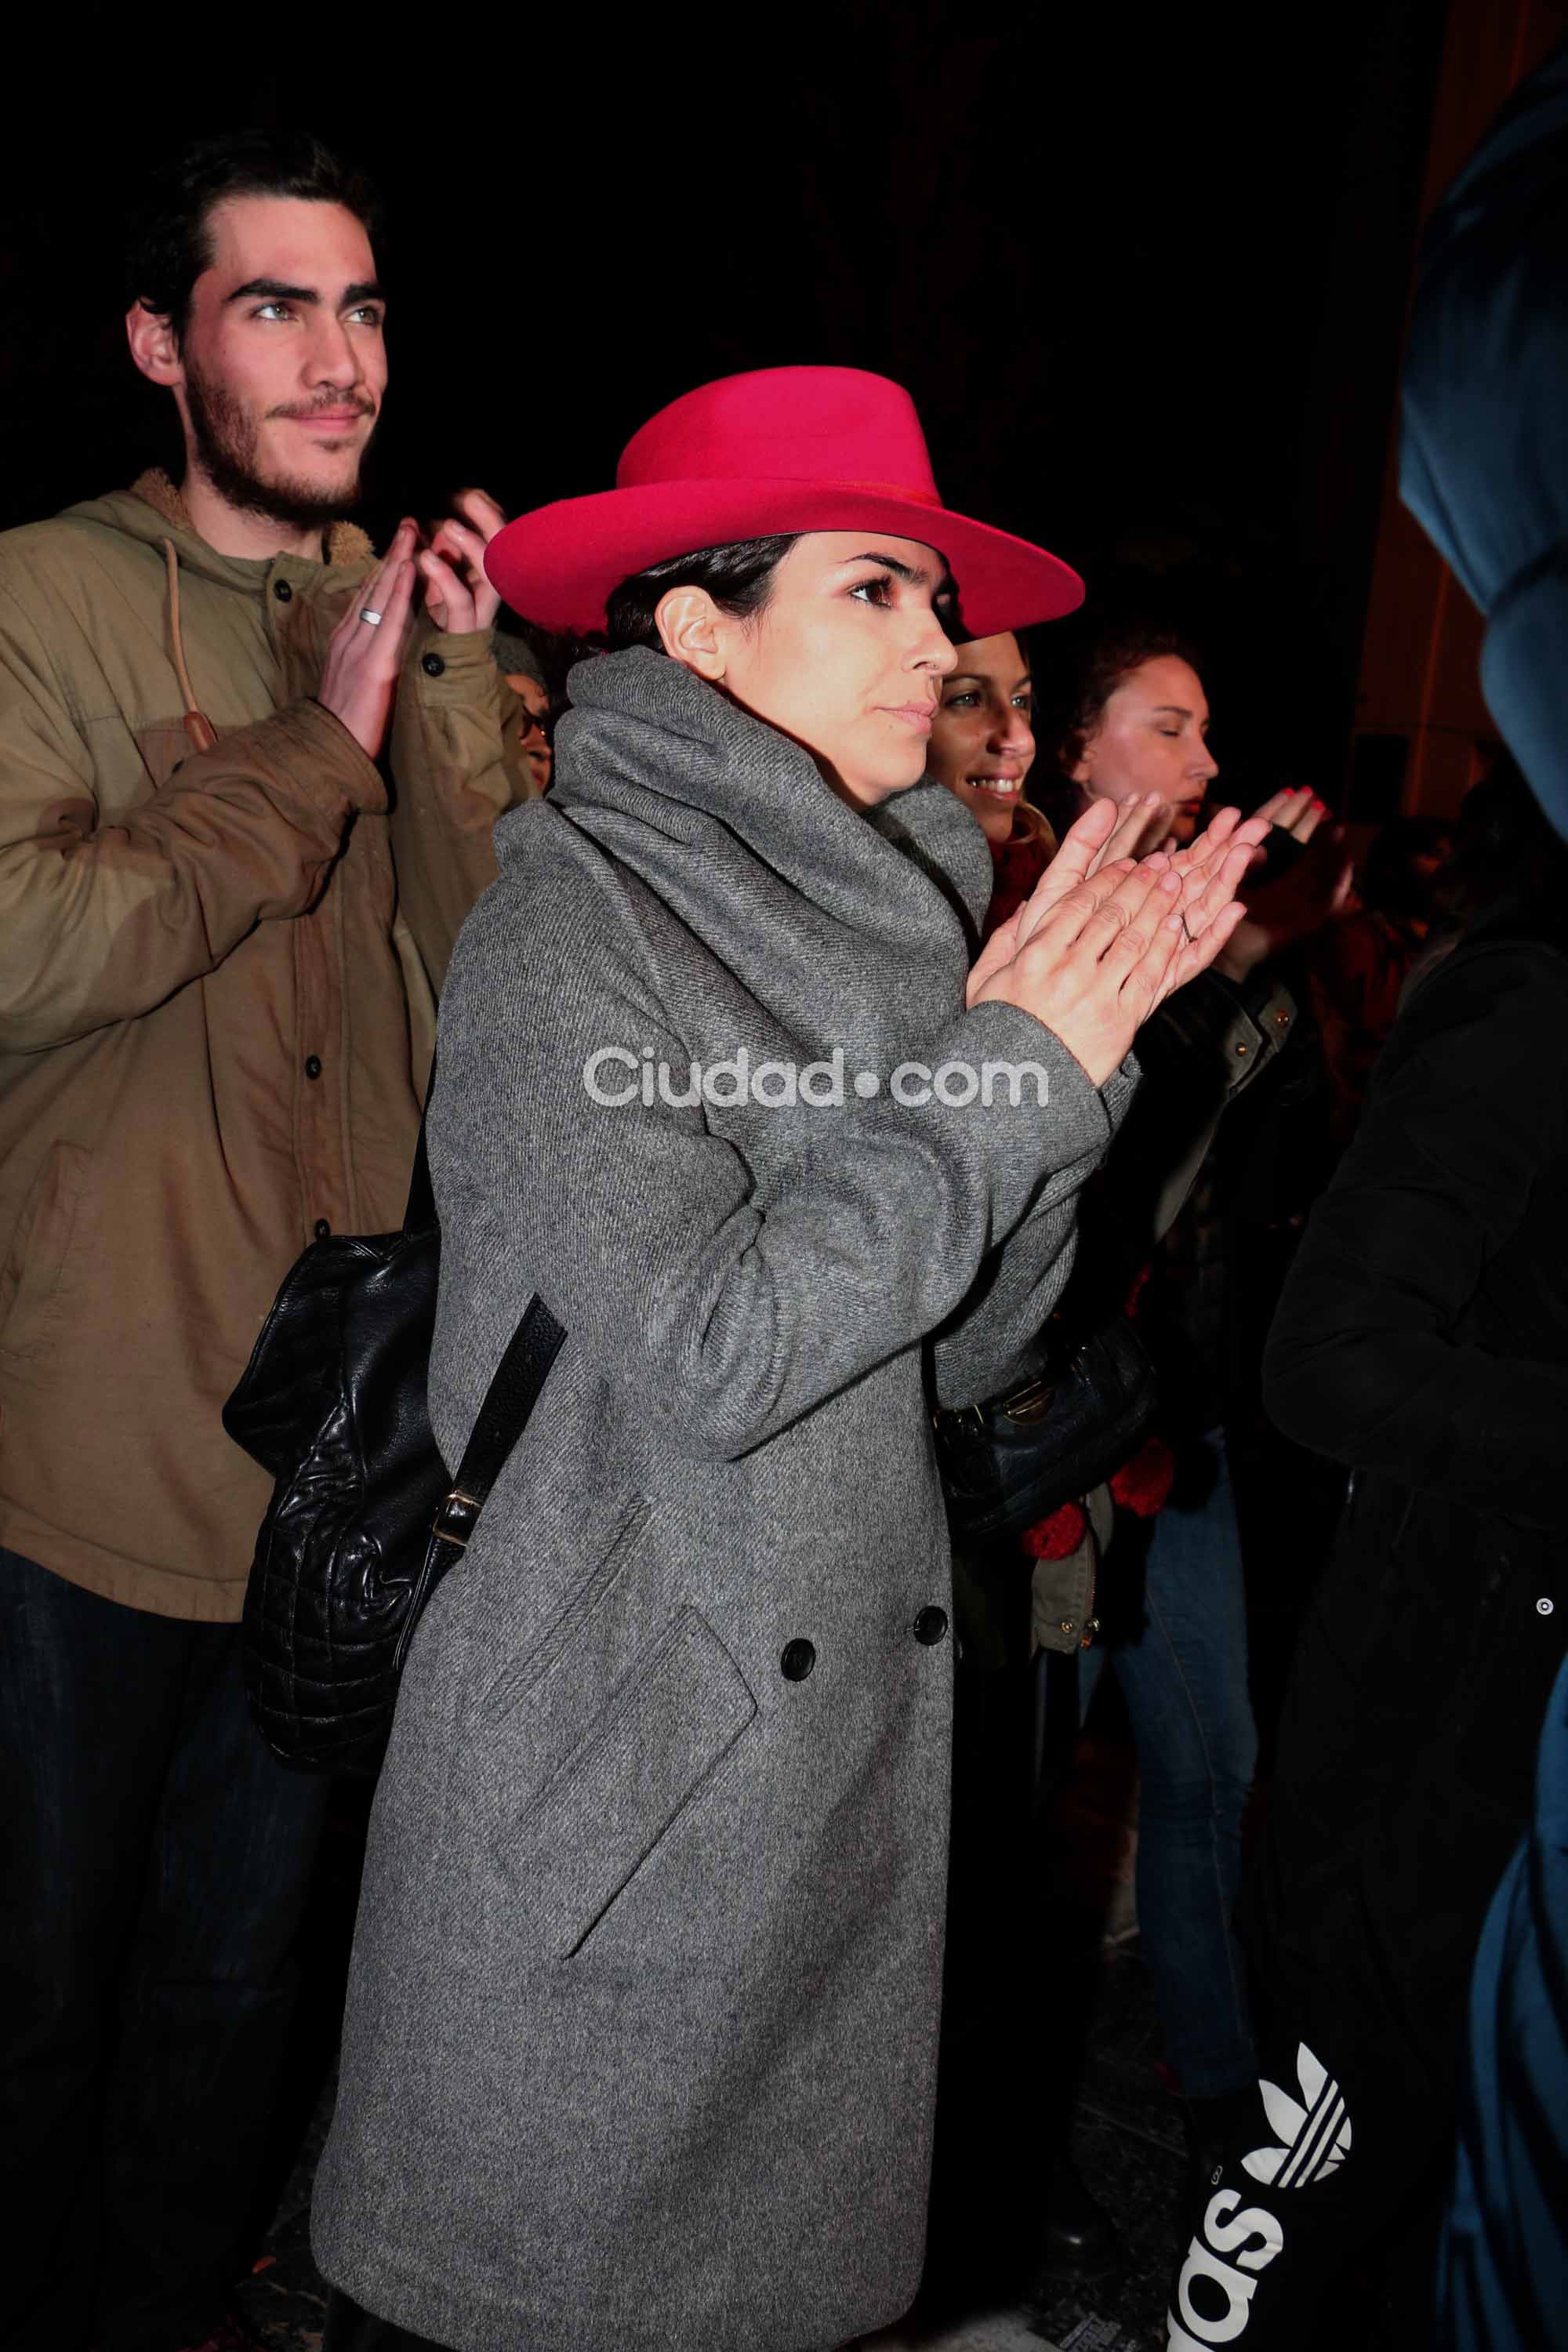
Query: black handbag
point(365, 1521)
point(1016, 1458)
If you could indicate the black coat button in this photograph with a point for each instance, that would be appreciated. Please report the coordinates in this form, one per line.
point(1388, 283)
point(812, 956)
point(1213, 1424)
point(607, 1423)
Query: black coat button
point(798, 1661)
point(433, 666)
point(322, 1229)
point(312, 1066)
point(283, 591)
point(930, 1626)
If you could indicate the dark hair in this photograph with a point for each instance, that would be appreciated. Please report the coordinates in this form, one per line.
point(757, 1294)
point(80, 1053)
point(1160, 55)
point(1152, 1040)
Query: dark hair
point(739, 578)
point(1104, 663)
point(170, 242)
point(1075, 674)
point(1389, 881)
point(1508, 854)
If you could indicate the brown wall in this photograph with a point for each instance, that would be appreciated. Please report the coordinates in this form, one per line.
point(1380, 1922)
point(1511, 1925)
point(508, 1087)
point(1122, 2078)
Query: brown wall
point(1421, 725)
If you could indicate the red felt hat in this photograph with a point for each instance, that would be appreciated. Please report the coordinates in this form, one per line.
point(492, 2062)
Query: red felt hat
point(781, 449)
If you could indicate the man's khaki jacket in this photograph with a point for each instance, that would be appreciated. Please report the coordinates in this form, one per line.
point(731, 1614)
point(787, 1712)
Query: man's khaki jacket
point(217, 976)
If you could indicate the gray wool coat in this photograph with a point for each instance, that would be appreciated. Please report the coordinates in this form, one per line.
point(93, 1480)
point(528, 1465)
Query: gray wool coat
point(642, 2024)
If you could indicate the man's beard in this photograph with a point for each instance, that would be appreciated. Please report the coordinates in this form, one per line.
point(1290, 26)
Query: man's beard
point(225, 435)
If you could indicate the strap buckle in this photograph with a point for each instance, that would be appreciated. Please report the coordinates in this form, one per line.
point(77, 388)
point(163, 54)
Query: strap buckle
point(455, 1519)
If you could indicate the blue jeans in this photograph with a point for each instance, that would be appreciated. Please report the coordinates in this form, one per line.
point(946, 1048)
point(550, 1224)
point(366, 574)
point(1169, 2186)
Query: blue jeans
point(1178, 1649)
point(155, 1865)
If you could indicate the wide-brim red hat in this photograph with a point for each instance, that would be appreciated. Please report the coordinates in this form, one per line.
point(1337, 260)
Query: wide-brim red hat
point(780, 450)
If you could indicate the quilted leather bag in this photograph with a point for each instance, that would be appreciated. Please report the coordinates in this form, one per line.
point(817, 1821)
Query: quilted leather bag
point(1016, 1458)
point(365, 1521)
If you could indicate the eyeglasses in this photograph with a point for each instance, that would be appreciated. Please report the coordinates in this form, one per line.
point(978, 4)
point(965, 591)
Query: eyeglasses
point(535, 727)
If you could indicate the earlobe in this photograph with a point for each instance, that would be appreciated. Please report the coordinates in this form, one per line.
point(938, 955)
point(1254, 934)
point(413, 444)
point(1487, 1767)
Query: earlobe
point(154, 346)
point(687, 620)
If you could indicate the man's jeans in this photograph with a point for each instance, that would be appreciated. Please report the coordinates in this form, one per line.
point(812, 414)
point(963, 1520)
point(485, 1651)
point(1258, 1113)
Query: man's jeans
point(1180, 1656)
point(153, 1871)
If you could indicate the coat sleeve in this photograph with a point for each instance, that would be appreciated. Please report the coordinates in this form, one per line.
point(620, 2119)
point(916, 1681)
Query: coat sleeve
point(642, 1229)
point(1367, 1361)
point(987, 1345)
point(451, 783)
point(103, 915)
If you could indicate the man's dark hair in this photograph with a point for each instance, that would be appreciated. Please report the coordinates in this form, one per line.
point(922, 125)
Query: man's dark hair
point(170, 243)
point(739, 578)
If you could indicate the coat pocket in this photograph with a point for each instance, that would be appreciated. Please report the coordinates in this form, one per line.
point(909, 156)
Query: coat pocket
point(662, 1730)
point(36, 1260)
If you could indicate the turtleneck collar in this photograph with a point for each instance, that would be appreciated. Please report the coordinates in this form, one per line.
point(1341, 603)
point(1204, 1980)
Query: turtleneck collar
point(734, 826)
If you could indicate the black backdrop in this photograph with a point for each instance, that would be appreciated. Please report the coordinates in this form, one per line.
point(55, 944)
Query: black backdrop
point(1144, 271)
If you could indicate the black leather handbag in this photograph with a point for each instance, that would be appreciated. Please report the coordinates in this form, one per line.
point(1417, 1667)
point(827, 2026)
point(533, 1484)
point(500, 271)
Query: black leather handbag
point(365, 1521)
point(1016, 1458)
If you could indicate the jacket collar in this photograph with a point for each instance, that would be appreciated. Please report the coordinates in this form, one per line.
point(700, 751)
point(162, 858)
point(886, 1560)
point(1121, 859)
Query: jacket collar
point(347, 547)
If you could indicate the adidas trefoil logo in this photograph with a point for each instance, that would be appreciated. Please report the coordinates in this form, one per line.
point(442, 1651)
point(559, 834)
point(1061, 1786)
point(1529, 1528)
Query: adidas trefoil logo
point(1316, 2134)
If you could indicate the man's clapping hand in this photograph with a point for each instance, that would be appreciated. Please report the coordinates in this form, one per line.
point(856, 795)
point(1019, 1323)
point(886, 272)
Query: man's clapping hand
point(457, 596)
point(363, 658)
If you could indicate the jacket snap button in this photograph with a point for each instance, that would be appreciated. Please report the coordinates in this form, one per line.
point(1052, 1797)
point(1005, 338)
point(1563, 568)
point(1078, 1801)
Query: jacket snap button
point(1241, 1049)
point(312, 1066)
point(321, 1229)
point(798, 1661)
point(283, 591)
point(433, 666)
point(930, 1626)
point(1544, 1607)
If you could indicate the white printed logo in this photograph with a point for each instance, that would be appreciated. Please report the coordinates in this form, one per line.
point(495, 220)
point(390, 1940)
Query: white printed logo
point(1316, 2134)
point(1220, 2274)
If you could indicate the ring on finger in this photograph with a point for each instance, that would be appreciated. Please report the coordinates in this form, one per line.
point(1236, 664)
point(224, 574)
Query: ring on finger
point(371, 619)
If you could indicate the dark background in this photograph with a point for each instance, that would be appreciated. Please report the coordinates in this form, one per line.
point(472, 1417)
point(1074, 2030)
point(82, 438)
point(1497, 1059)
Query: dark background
point(1144, 271)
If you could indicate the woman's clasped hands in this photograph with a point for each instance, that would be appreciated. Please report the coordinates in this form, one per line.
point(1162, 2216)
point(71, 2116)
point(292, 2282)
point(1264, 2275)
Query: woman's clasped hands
point(1107, 935)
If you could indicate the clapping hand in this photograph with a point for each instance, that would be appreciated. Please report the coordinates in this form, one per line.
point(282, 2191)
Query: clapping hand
point(364, 652)
point(457, 594)
point(1308, 894)
point(1124, 933)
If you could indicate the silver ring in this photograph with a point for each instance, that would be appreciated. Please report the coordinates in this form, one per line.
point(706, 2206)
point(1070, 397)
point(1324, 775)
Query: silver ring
point(373, 619)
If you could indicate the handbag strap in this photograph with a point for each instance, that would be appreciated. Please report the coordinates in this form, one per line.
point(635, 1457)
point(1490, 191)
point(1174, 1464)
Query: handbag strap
point(518, 1379)
point(503, 1416)
point(419, 1216)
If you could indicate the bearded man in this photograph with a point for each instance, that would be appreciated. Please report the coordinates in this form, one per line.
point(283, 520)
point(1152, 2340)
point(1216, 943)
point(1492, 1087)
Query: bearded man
point(220, 938)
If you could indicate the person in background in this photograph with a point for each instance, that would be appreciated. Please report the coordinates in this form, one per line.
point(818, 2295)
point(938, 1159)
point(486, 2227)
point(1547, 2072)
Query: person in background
point(1422, 1339)
point(1170, 1599)
point(1358, 966)
point(526, 736)
point(219, 948)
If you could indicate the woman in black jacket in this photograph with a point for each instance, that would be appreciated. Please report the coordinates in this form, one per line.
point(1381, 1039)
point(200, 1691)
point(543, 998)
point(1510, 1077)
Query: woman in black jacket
point(1421, 1339)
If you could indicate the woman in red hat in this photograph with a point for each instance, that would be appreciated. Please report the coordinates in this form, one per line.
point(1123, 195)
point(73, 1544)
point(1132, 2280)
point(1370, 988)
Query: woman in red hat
point(642, 2024)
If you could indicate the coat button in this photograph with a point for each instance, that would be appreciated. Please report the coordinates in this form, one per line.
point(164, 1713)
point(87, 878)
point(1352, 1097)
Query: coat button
point(312, 1066)
point(433, 666)
point(798, 1661)
point(930, 1626)
point(321, 1229)
point(283, 591)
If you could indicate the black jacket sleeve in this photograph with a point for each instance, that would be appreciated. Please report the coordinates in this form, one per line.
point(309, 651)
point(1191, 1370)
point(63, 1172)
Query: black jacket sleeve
point(1374, 1358)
